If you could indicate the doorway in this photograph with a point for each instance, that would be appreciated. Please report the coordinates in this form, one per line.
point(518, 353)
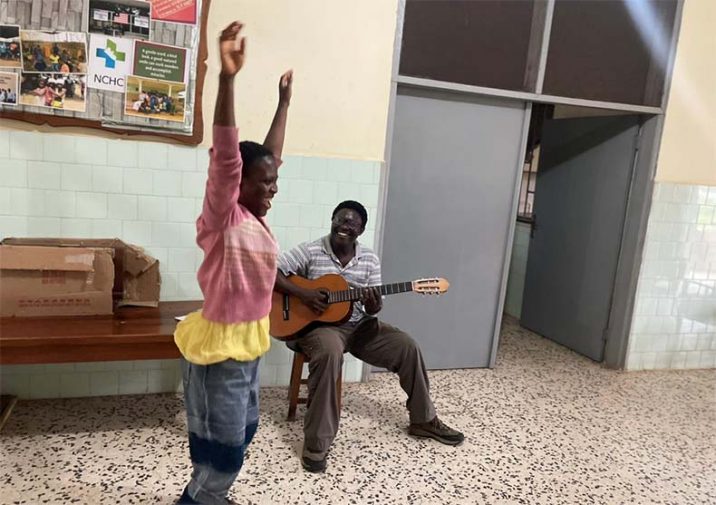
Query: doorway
point(582, 169)
point(450, 209)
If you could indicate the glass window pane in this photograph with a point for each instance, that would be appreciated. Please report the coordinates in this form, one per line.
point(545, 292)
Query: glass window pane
point(610, 50)
point(492, 43)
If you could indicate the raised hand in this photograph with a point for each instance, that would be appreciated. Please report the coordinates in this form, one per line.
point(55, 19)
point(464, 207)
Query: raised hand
point(284, 87)
point(232, 49)
point(277, 131)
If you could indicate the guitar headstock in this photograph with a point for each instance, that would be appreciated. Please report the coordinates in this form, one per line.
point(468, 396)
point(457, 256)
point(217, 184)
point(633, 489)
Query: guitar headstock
point(431, 286)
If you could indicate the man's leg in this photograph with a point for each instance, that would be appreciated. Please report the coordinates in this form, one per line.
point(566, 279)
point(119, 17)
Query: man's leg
point(324, 347)
point(380, 344)
point(216, 398)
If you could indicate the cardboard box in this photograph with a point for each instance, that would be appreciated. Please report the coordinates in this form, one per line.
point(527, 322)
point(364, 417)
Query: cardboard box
point(137, 280)
point(55, 281)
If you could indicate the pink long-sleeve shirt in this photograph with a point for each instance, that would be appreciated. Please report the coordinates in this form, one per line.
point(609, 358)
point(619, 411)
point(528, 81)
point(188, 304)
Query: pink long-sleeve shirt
point(239, 269)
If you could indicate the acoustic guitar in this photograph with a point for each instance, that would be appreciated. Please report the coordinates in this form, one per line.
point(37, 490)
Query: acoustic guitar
point(289, 315)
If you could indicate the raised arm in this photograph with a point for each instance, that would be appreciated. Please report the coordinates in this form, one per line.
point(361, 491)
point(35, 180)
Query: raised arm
point(222, 187)
point(277, 132)
point(233, 50)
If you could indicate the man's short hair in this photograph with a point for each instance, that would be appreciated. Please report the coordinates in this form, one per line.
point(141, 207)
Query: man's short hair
point(353, 205)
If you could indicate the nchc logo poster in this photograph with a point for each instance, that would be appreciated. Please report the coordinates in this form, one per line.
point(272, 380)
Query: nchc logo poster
point(110, 62)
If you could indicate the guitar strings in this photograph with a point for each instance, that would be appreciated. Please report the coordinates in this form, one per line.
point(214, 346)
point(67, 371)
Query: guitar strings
point(352, 295)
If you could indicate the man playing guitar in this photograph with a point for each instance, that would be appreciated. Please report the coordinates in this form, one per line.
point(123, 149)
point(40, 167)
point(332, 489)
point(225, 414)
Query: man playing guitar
point(364, 335)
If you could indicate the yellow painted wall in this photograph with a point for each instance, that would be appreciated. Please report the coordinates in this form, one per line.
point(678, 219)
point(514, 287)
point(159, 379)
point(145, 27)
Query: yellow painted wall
point(688, 146)
point(341, 52)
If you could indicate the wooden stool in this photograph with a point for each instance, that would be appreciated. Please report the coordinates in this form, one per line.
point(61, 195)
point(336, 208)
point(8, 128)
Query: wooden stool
point(294, 386)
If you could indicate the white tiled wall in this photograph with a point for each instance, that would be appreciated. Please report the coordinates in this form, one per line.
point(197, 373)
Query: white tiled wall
point(91, 379)
point(518, 267)
point(674, 323)
point(149, 194)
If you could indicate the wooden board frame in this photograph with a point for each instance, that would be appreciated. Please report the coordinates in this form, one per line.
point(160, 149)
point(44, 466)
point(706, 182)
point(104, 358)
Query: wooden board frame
point(197, 134)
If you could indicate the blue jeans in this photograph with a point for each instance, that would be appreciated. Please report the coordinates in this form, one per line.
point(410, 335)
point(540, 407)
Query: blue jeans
point(222, 409)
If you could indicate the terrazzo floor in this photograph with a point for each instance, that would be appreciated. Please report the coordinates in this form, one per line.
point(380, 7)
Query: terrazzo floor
point(546, 426)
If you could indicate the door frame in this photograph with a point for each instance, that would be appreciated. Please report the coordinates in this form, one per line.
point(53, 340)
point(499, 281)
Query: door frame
point(640, 195)
point(616, 137)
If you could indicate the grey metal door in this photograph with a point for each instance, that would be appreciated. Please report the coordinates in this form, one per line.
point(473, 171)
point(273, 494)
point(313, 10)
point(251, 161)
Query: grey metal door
point(583, 183)
point(452, 177)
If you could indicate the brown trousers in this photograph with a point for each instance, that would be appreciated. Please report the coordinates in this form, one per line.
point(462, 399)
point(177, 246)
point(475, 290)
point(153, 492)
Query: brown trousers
point(374, 342)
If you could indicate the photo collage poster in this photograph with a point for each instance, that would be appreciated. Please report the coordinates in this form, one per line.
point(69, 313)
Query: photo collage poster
point(116, 54)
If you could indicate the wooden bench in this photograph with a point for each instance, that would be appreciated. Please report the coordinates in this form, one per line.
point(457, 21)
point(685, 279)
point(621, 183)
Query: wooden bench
point(132, 333)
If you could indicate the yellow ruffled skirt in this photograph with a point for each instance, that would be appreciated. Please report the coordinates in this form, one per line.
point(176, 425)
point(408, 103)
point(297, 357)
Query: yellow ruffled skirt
point(205, 342)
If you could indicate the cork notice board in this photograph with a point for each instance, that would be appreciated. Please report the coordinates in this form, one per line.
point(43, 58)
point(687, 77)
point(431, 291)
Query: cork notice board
point(133, 67)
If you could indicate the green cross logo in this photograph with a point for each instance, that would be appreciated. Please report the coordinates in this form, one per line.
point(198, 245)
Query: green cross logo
point(110, 54)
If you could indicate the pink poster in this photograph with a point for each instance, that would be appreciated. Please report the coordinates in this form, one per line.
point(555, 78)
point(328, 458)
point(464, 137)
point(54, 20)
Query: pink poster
point(174, 11)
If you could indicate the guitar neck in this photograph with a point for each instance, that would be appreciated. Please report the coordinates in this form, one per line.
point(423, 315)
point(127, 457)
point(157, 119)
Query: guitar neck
point(352, 295)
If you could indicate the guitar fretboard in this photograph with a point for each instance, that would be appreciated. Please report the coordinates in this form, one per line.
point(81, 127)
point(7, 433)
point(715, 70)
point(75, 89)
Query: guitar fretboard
point(352, 295)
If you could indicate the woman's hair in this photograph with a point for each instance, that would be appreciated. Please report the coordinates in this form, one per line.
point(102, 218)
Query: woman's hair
point(252, 152)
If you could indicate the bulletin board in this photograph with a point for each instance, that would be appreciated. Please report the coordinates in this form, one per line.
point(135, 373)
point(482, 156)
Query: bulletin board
point(133, 67)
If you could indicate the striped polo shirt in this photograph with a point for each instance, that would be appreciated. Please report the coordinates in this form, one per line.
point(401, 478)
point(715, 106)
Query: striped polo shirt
point(315, 259)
